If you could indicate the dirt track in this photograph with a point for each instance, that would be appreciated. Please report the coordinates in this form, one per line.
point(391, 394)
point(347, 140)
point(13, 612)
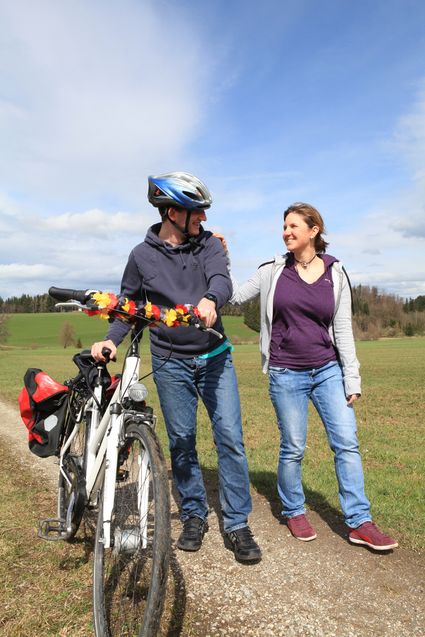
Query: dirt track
point(321, 588)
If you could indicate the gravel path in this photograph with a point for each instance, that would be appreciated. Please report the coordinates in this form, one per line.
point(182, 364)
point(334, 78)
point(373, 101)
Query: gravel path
point(323, 588)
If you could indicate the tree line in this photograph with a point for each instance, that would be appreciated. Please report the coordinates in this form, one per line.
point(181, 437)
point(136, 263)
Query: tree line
point(27, 304)
point(375, 314)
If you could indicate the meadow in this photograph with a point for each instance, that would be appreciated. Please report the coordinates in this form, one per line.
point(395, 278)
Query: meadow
point(390, 415)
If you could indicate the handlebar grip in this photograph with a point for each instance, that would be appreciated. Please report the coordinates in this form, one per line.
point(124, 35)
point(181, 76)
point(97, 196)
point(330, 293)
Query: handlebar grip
point(65, 294)
point(106, 353)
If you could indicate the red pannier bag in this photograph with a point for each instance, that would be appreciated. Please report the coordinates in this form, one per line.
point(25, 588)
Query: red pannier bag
point(42, 403)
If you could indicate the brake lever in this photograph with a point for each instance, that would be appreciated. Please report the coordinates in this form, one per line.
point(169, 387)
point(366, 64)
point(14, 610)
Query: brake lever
point(76, 304)
point(208, 329)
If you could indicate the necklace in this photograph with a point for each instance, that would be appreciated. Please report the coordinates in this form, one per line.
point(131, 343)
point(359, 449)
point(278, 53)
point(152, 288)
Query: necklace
point(305, 264)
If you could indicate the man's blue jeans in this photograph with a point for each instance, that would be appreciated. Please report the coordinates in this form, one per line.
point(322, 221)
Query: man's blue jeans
point(290, 391)
point(180, 382)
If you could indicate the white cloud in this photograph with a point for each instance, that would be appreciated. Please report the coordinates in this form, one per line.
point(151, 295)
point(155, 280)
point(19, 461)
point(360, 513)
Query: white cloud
point(97, 223)
point(371, 251)
point(87, 249)
point(410, 137)
point(414, 226)
point(16, 272)
point(95, 95)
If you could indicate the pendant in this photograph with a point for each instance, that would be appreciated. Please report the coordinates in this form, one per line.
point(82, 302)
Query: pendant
point(305, 264)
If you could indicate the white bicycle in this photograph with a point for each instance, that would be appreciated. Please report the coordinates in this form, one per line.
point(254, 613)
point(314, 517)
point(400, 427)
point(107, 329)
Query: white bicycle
point(111, 461)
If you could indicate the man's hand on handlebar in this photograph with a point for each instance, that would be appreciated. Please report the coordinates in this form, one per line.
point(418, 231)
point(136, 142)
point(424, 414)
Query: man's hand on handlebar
point(96, 351)
point(207, 311)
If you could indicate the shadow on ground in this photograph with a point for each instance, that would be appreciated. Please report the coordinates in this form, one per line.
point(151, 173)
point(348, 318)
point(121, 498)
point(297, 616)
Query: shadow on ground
point(265, 484)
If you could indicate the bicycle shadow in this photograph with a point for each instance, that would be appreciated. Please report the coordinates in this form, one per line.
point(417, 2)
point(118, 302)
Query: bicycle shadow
point(84, 538)
point(179, 602)
point(175, 602)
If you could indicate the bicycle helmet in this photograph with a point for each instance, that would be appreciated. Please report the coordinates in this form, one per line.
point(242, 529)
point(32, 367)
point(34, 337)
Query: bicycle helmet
point(179, 189)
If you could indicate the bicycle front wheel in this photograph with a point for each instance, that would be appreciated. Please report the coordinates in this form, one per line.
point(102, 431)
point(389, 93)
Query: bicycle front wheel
point(129, 579)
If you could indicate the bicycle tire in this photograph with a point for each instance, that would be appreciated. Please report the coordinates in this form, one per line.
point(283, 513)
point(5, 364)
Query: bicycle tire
point(129, 581)
point(75, 465)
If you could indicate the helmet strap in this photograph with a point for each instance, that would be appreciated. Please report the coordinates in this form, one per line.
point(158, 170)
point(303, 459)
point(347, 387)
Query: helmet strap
point(183, 230)
point(186, 225)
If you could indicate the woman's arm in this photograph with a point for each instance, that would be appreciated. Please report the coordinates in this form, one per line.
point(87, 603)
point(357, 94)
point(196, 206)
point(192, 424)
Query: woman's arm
point(344, 341)
point(247, 291)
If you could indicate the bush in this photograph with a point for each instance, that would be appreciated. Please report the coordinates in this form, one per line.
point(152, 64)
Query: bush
point(67, 335)
point(4, 332)
point(251, 314)
point(409, 329)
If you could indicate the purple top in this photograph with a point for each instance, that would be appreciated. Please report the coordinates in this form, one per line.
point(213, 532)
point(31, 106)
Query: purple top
point(302, 314)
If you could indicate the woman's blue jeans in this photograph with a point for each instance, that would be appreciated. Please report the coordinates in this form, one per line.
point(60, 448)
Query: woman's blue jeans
point(180, 383)
point(290, 391)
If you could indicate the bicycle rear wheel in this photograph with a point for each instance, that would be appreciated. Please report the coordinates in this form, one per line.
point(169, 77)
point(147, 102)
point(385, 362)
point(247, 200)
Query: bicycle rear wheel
point(129, 579)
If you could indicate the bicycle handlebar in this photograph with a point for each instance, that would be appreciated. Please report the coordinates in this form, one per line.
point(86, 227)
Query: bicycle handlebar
point(105, 304)
point(65, 294)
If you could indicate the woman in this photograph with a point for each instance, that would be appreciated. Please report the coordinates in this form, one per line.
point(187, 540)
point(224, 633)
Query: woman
point(307, 348)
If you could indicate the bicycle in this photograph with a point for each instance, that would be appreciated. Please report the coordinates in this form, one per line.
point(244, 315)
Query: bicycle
point(110, 460)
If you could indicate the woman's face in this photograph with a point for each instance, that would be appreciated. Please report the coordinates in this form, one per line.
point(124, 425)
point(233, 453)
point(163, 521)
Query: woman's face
point(297, 234)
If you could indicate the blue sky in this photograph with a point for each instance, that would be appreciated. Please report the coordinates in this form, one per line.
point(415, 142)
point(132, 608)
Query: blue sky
point(268, 103)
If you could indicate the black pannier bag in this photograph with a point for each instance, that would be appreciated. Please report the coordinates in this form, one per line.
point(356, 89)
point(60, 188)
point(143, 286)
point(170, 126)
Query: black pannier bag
point(42, 403)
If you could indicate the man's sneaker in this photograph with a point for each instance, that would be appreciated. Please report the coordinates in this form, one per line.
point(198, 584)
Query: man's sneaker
point(192, 535)
point(369, 534)
point(243, 545)
point(301, 528)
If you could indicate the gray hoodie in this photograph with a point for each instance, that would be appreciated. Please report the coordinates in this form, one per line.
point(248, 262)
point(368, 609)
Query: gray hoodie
point(170, 275)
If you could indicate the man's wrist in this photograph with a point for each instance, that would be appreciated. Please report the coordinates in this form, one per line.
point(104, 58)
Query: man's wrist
point(211, 297)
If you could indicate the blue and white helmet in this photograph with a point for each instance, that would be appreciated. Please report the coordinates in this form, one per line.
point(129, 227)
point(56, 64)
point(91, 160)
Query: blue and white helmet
point(178, 189)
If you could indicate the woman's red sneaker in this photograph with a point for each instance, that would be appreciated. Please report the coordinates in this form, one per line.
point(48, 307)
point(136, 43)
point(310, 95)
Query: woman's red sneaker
point(301, 528)
point(369, 534)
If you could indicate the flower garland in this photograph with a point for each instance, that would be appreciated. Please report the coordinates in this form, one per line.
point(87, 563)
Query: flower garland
point(104, 304)
point(108, 306)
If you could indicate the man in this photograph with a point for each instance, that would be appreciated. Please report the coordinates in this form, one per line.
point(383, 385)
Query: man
point(177, 263)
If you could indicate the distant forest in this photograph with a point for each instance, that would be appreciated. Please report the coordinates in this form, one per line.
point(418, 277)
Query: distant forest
point(376, 314)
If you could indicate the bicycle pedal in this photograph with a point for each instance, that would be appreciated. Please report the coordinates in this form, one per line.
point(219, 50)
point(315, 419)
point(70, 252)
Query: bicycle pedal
point(53, 530)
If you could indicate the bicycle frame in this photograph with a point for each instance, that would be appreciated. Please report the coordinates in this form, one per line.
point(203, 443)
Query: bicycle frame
point(103, 441)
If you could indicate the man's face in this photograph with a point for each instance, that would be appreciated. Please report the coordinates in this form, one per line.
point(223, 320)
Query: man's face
point(195, 220)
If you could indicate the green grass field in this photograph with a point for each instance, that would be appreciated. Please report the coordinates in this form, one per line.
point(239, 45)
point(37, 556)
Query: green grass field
point(390, 418)
point(43, 330)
